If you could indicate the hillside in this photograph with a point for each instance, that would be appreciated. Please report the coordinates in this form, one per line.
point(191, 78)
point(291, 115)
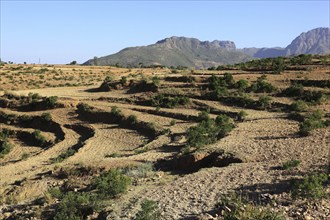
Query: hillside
point(176, 51)
point(97, 142)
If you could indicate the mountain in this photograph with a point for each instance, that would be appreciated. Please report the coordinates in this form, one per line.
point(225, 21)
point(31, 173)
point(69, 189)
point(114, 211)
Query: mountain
point(191, 52)
point(316, 41)
point(176, 51)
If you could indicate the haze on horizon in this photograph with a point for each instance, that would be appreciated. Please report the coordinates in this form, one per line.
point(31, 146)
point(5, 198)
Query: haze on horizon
point(59, 32)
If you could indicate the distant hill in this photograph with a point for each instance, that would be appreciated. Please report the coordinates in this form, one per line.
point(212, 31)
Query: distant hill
point(176, 51)
point(191, 52)
point(316, 41)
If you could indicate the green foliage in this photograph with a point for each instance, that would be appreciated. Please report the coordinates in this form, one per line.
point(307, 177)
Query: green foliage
point(149, 211)
point(156, 80)
point(5, 147)
point(74, 206)
point(311, 186)
point(242, 115)
point(166, 101)
point(64, 155)
point(242, 85)
point(299, 106)
point(115, 111)
point(39, 139)
point(203, 116)
point(302, 59)
point(261, 85)
point(111, 183)
point(173, 122)
point(313, 121)
point(84, 107)
point(46, 116)
point(51, 101)
point(123, 80)
point(132, 119)
point(264, 102)
point(294, 90)
point(108, 79)
point(290, 164)
point(208, 130)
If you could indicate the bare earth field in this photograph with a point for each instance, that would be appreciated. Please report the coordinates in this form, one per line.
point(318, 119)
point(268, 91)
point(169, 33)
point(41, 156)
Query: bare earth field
point(266, 138)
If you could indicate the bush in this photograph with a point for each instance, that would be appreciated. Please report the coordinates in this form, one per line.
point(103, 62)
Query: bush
point(111, 183)
point(46, 116)
point(74, 206)
point(208, 131)
point(203, 116)
point(173, 122)
point(314, 121)
point(5, 147)
point(242, 85)
point(241, 115)
point(262, 86)
point(51, 101)
point(39, 139)
point(294, 90)
point(83, 107)
point(298, 106)
point(264, 102)
point(310, 187)
point(166, 101)
point(290, 164)
point(132, 119)
point(149, 211)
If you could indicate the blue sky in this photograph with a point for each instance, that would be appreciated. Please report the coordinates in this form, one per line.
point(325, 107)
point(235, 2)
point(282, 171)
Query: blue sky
point(63, 31)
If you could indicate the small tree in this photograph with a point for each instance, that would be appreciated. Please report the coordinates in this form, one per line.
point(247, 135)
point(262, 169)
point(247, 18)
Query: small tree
point(149, 211)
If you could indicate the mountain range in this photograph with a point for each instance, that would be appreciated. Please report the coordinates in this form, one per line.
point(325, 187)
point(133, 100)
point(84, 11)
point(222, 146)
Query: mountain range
point(191, 52)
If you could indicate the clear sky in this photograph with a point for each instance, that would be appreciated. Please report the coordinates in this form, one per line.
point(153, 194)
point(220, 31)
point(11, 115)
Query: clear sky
point(63, 31)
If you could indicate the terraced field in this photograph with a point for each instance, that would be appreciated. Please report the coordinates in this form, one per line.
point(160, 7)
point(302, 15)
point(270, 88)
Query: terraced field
point(120, 122)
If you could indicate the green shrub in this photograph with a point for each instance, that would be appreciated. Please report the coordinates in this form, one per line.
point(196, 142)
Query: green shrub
point(166, 101)
point(46, 116)
point(149, 211)
point(74, 206)
point(313, 121)
point(84, 107)
point(64, 155)
point(5, 147)
point(294, 90)
point(39, 139)
point(173, 122)
point(241, 115)
point(111, 183)
point(203, 116)
point(132, 119)
point(264, 102)
point(242, 85)
point(290, 164)
point(311, 186)
point(298, 106)
point(208, 131)
point(51, 101)
point(115, 111)
point(261, 85)
point(123, 80)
